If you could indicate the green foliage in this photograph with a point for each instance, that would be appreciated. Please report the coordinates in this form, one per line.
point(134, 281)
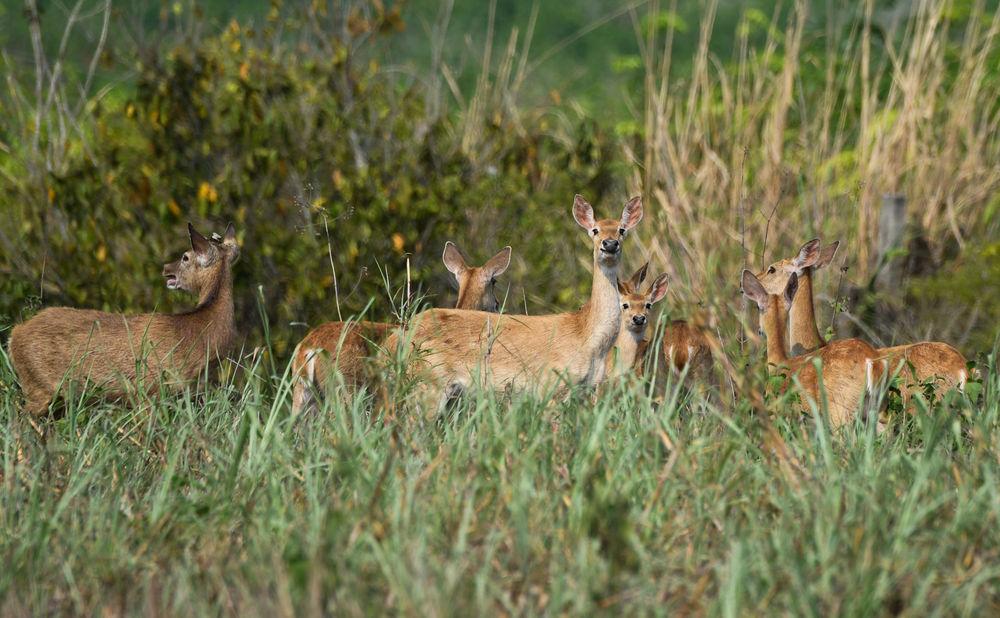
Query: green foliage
point(973, 282)
point(312, 154)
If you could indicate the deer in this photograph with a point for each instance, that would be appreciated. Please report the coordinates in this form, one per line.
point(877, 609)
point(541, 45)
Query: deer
point(851, 370)
point(925, 362)
point(117, 352)
point(347, 346)
point(683, 345)
point(629, 352)
point(456, 349)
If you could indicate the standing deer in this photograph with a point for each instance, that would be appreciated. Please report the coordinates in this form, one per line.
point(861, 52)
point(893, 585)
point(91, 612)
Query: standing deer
point(457, 349)
point(347, 346)
point(683, 346)
point(629, 353)
point(930, 362)
point(115, 351)
point(850, 367)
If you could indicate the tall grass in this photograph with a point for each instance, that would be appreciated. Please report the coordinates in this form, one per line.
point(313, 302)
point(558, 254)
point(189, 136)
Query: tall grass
point(219, 501)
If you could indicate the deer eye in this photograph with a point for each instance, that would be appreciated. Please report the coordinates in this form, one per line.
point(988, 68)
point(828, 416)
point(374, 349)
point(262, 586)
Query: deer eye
point(185, 258)
point(771, 270)
point(649, 305)
point(621, 231)
point(594, 231)
point(624, 305)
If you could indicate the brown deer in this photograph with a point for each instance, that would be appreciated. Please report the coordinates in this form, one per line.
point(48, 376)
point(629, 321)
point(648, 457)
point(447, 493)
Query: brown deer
point(457, 349)
point(118, 352)
point(850, 367)
point(348, 346)
point(926, 362)
point(629, 353)
point(682, 345)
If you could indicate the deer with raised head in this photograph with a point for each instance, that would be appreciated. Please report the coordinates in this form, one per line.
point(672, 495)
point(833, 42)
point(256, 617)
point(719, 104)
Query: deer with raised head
point(629, 353)
point(926, 362)
point(683, 345)
point(117, 352)
point(347, 346)
point(458, 349)
point(851, 369)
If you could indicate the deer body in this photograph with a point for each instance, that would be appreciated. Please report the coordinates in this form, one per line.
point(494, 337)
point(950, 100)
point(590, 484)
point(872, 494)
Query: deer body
point(458, 349)
point(346, 347)
point(118, 352)
point(850, 367)
point(926, 362)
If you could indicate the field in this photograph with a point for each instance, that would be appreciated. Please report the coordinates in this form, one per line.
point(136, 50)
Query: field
point(348, 140)
point(220, 502)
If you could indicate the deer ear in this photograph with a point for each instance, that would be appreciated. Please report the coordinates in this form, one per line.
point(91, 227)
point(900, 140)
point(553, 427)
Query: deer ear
point(808, 255)
point(199, 243)
point(791, 288)
point(499, 263)
point(632, 214)
point(453, 259)
point(827, 254)
point(624, 287)
point(229, 243)
point(583, 212)
point(659, 289)
point(639, 276)
point(754, 290)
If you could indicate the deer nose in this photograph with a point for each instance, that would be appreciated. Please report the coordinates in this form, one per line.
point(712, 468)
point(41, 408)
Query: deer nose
point(610, 245)
point(638, 320)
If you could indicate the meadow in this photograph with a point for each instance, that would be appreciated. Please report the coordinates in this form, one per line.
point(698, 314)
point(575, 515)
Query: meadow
point(348, 141)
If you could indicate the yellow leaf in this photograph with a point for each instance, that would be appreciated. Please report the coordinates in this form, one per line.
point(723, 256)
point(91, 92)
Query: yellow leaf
point(174, 208)
point(102, 253)
point(207, 193)
point(52, 194)
point(245, 71)
point(398, 242)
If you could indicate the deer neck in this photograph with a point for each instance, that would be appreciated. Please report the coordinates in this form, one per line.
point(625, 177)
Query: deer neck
point(774, 329)
point(215, 304)
point(602, 313)
point(631, 346)
point(803, 334)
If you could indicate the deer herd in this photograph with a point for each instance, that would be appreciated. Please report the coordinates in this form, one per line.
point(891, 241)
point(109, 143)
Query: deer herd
point(475, 345)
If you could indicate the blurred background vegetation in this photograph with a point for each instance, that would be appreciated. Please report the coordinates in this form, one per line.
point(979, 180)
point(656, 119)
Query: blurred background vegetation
point(345, 137)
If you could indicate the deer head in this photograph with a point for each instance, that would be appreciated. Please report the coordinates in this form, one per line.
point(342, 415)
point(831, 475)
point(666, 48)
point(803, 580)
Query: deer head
point(607, 235)
point(476, 285)
point(198, 267)
point(636, 305)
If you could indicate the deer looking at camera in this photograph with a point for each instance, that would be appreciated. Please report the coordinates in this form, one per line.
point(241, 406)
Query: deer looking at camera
point(683, 345)
point(926, 362)
point(118, 352)
point(347, 346)
point(851, 369)
point(457, 349)
point(629, 353)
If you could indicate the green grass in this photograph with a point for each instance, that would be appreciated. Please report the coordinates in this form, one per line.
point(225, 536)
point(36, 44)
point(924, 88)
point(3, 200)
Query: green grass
point(218, 502)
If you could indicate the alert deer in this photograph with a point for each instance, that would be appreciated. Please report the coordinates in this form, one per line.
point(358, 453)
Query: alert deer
point(850, 367)
point(460, 348)
point(683, 345)
point(926, 362)
point(629, 353)
point(347, 346)
point(115, 351)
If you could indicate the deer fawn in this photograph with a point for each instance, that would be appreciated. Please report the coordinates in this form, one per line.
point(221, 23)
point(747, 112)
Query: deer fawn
point(927, 362)
point(460, 348)
point(683, 344)
point(631, 345)
point(112, 350)
point(850, 367)
point(347, 346)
